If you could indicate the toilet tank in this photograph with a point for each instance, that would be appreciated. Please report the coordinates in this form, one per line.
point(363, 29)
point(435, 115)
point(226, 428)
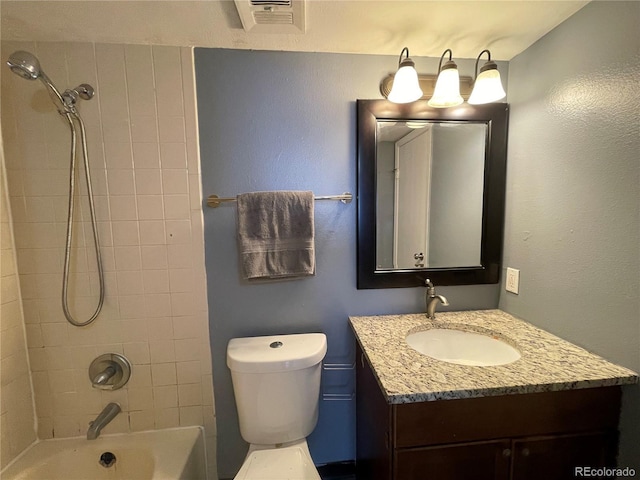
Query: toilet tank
point(276, 383)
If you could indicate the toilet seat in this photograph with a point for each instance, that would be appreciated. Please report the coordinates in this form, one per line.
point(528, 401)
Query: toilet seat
point(292, 462)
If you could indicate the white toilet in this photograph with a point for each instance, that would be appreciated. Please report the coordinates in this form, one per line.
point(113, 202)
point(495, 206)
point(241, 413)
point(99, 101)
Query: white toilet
point(276, 382)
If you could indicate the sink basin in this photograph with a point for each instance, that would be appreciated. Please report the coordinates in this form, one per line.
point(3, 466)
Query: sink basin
point(462, 347)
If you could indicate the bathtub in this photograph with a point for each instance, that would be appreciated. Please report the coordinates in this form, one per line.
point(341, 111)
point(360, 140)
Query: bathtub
point(171, 454)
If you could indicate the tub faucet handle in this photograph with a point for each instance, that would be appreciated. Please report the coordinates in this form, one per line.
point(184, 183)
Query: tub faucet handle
point(109, 371)
point(103, 377)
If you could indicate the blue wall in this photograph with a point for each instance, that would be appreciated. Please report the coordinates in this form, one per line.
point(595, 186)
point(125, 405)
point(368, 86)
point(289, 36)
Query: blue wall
point(573, 202)
point(287, 121)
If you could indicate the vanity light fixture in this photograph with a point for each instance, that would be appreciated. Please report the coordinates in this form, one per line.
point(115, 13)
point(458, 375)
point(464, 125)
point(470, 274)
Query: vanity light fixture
point(487, 85)
point(406, 87)
point(447, 91)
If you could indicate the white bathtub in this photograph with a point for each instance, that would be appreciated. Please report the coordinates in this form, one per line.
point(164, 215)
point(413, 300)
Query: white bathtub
point(171, 454)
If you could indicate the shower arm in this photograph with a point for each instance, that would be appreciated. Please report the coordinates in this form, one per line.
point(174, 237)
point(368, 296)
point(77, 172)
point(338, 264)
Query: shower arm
point(66, 102)
point(70, 97)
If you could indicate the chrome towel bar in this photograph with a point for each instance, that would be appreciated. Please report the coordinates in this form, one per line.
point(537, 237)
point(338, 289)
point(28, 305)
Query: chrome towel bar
point(214, 201)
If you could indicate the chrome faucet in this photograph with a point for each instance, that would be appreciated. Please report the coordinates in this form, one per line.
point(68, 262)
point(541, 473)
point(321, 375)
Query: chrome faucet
point(108, 413)
point(110, 371)
point(433, 299)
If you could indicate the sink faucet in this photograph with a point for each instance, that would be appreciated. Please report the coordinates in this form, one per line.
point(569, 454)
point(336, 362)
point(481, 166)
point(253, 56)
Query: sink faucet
point(433, 299)
point(108, 413)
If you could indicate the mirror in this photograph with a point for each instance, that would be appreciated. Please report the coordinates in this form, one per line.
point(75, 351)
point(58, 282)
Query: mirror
point(431, 188)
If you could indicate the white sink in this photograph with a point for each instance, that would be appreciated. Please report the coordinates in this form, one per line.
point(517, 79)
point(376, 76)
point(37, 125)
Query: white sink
point(462, 347)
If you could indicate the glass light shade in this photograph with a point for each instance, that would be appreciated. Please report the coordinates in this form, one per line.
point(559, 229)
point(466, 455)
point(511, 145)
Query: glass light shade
point(406, 87)
point(487, 88)
point(447, 91)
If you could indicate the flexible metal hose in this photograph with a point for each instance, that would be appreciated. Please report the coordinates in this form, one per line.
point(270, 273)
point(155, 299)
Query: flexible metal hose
point(70, 116)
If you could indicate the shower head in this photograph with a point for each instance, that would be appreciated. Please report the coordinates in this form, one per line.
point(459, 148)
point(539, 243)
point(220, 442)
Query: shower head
point(27, 66)
point(24, 64)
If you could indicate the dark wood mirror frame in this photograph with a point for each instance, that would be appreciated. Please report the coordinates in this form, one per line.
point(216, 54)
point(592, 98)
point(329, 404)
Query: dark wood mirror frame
point(496, 116)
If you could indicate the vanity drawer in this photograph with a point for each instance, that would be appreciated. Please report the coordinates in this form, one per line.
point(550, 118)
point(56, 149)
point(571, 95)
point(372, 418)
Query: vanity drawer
point(486, 418)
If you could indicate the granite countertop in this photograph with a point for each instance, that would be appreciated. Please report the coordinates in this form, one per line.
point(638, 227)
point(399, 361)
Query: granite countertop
point(548, 363)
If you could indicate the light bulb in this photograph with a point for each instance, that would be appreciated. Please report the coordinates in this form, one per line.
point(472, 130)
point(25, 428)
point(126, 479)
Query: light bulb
point(487, 88)
point(406, 87)
point(447, 91)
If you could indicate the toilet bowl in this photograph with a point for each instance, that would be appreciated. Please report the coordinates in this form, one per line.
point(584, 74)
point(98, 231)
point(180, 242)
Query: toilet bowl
point(276, 384)
point(289, 462)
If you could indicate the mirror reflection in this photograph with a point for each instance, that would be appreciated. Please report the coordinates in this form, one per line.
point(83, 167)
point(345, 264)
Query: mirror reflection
point(443, 217)
point(429, 184)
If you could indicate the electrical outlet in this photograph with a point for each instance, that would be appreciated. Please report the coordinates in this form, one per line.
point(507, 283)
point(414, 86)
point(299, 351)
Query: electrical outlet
point(513, 280)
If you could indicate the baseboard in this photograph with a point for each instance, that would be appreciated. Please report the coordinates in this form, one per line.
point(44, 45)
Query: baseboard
point(334, 471)
point(337, 470)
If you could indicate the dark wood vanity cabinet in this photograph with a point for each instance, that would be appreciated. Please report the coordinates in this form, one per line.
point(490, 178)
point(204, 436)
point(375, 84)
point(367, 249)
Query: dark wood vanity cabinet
point(477, 460)
point(538, 436)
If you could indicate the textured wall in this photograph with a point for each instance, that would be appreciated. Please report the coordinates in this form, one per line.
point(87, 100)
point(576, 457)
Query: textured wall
point(17, 427)
point(573, 201)
point(142, 141)
point(278, 121)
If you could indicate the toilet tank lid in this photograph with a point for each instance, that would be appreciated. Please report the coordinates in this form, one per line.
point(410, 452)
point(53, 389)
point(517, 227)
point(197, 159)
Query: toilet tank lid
point(276, 353)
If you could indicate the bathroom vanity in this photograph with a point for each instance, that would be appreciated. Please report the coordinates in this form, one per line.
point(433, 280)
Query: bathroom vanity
point(418, 418)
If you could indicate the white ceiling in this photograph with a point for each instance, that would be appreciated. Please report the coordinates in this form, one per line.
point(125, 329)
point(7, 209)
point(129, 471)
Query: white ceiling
point(344, 26)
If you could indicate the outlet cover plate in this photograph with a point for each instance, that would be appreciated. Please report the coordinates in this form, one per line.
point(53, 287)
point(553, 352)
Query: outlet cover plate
point(512, 283)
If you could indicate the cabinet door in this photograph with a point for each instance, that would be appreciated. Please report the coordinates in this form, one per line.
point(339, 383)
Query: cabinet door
point(477, 461)
point(373, 425)
point(557, 457)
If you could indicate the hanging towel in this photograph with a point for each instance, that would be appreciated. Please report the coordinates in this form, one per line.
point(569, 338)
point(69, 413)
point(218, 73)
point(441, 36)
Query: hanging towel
point(276, 234)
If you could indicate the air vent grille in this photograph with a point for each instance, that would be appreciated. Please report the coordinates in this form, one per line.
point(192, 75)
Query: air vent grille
point(273, 18)
point(271, 3)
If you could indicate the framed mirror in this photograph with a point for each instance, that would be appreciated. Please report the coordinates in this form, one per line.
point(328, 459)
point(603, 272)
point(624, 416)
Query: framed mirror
point(431, 190)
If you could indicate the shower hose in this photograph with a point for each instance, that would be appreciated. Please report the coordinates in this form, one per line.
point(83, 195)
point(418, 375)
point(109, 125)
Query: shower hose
point(71, 116)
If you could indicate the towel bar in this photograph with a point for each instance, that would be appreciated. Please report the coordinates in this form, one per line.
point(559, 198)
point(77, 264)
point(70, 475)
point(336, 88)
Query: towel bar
point(214, 201)
point(339, 397)
point(339, 366)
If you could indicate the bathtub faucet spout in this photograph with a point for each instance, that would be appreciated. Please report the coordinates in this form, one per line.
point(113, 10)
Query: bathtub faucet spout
point(108, 413)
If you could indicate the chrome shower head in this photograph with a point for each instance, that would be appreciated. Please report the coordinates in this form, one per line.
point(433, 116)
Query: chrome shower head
point(25, 65)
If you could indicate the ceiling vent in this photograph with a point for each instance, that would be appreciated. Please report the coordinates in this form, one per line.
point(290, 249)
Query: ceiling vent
point(272, 16)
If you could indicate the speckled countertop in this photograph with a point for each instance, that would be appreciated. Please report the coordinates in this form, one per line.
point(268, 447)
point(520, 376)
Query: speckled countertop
point(548, 363)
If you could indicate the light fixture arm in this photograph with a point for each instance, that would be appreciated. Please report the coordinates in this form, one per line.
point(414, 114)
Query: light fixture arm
point(485, 66)
point(407, 62)
point(405, 49)
point(449, 64)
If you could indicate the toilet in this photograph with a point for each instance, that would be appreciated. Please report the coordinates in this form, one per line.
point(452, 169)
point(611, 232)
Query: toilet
point(276, 383)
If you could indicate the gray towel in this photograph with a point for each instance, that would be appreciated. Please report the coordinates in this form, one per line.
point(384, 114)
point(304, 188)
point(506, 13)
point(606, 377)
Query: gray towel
point(276, 234)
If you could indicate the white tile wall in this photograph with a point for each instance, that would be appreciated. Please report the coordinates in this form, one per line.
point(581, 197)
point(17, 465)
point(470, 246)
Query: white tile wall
point(17, 425)
point(142, 136)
